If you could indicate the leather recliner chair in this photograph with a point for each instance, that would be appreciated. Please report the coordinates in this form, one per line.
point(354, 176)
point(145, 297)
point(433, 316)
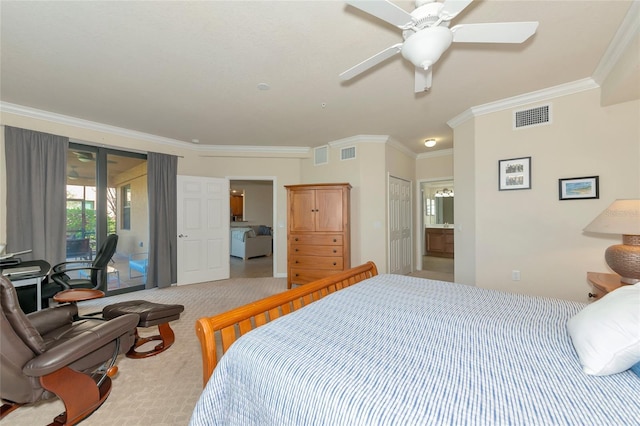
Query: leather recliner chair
point(52, 353)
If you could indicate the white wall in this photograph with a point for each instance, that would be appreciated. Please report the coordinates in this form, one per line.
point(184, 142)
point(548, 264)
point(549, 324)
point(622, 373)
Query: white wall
point(258, 202)
point(365, 173)
point(466, 225)
point(376, 157)
point(532, 231)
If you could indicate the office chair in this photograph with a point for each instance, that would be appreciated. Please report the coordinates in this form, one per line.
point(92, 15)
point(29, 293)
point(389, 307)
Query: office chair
point(96, 272)
point(47, 354)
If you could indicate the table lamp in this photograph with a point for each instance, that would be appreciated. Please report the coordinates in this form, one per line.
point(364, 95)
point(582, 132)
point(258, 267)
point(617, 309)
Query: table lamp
point(621, 217)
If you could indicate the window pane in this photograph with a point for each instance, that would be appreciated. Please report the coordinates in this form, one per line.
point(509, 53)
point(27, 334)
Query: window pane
point(81, 204)
point(128, 213)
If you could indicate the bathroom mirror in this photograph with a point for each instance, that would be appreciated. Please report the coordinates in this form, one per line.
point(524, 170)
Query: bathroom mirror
point(438, 202)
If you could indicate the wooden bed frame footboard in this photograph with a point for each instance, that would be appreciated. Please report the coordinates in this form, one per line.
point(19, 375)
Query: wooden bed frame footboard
point(229, 326)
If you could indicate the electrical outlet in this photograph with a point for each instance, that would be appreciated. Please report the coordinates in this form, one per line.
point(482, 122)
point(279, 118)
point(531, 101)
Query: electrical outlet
point(515, 275)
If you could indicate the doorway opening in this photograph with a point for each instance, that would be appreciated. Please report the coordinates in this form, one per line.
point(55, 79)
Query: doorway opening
point(437, 230)
point(252, 227)
point(107, 194)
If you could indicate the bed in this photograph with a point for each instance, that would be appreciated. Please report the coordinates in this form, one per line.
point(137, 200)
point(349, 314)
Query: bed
point(390, 349)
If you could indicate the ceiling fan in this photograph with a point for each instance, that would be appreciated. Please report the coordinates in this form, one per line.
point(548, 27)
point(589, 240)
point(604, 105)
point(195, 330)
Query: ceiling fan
point(427, 34)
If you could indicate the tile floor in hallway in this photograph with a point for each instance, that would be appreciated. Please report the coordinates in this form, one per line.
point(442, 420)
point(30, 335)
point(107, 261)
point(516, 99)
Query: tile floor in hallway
point(256, 267)
point(436, 268)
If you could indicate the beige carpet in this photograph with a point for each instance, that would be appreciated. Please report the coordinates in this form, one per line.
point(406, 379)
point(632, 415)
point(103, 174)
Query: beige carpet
point(160, 390)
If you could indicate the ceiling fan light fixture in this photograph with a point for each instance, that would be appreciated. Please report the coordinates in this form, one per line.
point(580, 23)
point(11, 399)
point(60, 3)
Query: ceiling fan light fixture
point(444, 193)
point(425, 47)
point(430, 143)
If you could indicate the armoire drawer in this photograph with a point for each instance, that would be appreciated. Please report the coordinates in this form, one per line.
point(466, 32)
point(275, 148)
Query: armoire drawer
point(317, 262)
point(311, 250)
point(315, 239)
point(303, 276)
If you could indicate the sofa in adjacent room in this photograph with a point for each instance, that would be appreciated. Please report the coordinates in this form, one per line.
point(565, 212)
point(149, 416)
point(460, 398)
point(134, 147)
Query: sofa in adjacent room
point(251, 241)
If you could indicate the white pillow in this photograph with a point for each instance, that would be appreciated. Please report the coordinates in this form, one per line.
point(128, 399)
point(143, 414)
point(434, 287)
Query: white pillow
point(606, 333)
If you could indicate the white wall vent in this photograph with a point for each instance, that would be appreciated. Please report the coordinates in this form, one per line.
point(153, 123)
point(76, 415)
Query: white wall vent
point(321, 155)
point(538, 116)
point(348, 153)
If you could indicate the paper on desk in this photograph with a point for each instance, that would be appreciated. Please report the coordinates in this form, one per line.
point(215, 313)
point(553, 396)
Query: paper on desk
point(10, 255)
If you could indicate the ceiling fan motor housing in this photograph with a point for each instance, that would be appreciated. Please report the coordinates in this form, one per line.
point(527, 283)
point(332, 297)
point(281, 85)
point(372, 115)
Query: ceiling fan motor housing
point(427, 15)
point(425, 47)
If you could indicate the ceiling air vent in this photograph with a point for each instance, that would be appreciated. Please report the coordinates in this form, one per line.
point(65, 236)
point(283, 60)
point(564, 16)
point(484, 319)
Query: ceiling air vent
point(538, 116)
point(348, 153)
point(320, 155)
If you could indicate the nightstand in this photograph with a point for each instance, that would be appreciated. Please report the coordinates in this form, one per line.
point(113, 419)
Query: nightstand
point(603, 283)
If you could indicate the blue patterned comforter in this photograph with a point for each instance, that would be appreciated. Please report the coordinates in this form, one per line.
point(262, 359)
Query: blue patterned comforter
point(397, 350)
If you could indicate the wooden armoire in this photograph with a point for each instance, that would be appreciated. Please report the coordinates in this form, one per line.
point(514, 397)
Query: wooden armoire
point(318, 231)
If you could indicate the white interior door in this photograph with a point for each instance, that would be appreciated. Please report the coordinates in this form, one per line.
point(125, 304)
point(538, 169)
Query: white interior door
point(203, 229)
point(399, 226)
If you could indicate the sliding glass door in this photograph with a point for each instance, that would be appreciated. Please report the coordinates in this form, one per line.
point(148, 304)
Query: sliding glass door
point(106, 194)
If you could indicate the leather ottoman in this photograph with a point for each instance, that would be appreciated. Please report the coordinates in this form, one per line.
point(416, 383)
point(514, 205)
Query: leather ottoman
point(150, 314)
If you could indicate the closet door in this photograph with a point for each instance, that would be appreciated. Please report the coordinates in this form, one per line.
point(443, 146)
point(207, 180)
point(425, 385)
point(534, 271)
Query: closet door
point(400, 230)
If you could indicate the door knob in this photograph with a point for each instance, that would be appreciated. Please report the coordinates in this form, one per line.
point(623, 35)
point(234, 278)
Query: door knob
point(183, 236)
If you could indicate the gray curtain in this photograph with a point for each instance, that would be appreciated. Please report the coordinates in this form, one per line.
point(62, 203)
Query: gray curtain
point(36, 193)
point(162, 173)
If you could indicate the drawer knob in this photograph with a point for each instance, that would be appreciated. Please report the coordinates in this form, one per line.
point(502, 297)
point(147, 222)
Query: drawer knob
point(296, 261)
point(335, 251)
point(297, 275)
point(296, 249)
point(334, 263)
point(335, 241)
point(295, 239)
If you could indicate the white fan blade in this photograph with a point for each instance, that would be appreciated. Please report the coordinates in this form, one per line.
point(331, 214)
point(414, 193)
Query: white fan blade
point(386, 11)
point(423, 79)
point(372, 61)
point(502, 32)
point(451, 8)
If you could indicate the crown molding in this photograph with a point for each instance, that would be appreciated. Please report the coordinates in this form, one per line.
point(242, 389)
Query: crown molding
point(294, 150)
point(525, 99)
point(53, 117)
point(385, 139)
point(620, 43)
point(358, 139)
point(6, 107)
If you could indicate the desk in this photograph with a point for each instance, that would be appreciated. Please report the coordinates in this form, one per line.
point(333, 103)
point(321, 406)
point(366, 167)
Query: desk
point(32, 278)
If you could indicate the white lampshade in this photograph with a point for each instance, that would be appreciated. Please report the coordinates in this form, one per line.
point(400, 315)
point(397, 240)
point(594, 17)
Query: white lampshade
point(621, 217)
